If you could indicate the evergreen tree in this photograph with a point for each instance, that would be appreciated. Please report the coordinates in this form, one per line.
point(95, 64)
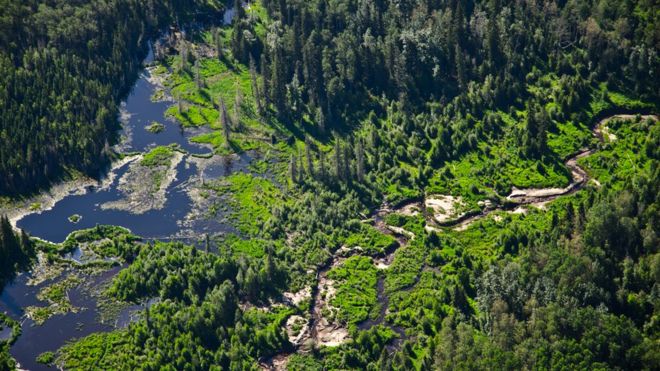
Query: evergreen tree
point(255, 87)
point(359, 158)
point(278, 84)
point(338, 165)
point(225, 122)
point(322, 169)
point(308, 155)
point(198, 79)
point(238, 104)
point(219, 44)
point(293, 169)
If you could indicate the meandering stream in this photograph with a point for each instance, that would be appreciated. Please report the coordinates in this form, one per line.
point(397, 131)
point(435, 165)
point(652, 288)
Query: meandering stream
point(539, 196)
point(518, 198)
point(173, 221)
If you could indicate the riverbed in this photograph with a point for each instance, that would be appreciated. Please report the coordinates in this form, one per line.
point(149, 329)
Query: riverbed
point(178, 217)
point(96, 203)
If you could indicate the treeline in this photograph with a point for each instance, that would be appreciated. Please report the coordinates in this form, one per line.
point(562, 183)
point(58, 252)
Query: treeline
point(580, 296)
point(202, 320)
point(327, 60)
point(572, 287)
point(64, 65)
point(16, 251)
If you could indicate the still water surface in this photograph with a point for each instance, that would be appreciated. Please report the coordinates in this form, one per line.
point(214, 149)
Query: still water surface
point(138, 111)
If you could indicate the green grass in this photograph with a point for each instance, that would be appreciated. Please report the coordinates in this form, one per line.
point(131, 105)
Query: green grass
point(91, 352)
point(214, 138)
point(371, 240)
point(107, 233)
point(304, 362)
point(624, 101)
point(406, 266)
point(58, 301)
point(498, 164)
point(75, 218)
point(155, 127)
point(569, 138)
point(46, 358)
point(356, 296)
point(619, 159)
point(252, 247)
point(159, 156)
point(222, 80)
point(251, 199)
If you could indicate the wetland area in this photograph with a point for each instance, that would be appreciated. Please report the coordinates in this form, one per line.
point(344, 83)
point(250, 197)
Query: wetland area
point(125, 196)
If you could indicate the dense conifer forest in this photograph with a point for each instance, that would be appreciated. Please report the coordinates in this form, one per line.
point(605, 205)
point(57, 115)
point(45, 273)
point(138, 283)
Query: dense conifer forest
point(436, 184)
point(64, 66)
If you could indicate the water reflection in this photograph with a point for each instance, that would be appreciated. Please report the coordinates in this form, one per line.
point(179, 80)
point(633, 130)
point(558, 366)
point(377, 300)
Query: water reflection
point(55, 332)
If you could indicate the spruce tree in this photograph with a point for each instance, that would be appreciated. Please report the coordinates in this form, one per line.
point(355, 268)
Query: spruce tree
point(225, 122)
point(359, 157)
point(308, 155)
point(255, 86)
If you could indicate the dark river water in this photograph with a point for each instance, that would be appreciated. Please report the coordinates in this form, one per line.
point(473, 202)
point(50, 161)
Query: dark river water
point(54, 225)
point(60, 329)
point(56, 331)
point(165, 224)
point(138, 111)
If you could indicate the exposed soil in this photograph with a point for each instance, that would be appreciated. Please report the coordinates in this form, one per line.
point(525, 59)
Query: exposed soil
point(145, 188)
point(538, 197)
point(444, 207)
point(45, 201)
point(325, 331)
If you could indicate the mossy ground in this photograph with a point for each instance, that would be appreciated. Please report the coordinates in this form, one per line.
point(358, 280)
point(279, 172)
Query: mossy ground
point(355, 284)
point(250, 198)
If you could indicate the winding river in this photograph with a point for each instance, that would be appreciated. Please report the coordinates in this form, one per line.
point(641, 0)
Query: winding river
point(517, 198)
point(137, 112)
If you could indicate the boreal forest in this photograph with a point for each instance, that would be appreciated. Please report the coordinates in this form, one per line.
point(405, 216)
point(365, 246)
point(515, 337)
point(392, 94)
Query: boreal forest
point(329, 185)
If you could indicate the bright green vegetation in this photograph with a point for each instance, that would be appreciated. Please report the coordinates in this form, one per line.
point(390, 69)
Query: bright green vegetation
point(46, 358)
point(568, 139)
point(355, 103)
point(369, 240)
point(155, 127)
point(57, 298)
point(159, 156)
point(249, 247)
point(355, 284)
point(251, 199)
point(75, 218)
point(222, 81)
point(91, 353)
point(635, 146)
point(103, 241)
point(157, 161)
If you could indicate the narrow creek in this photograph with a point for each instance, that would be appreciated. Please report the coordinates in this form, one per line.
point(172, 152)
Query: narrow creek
point(518, 197)
point(539, 196)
